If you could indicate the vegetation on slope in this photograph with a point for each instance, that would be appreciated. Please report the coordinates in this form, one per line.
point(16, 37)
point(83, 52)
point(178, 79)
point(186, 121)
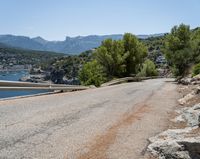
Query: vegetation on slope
point(117, 58)
point(67, 66)
point(127, 57)
point(22, 56)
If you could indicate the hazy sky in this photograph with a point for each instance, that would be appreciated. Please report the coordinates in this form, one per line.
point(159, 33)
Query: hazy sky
point(55, 19)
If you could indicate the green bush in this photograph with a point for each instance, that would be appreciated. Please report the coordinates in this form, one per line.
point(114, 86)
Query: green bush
point(92, 74)
point(148, 69)
point(121, 57)
point(178, 49)
point(196, 70)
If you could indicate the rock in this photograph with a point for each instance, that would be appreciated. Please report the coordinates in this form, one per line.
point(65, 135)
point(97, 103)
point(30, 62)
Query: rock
point(179, 119)
point(196, 78)
point(179, 143)
point(192, 145)
point(197, 91)
point(172, 144)
point(92, 86)
point(195, 83)
point(190, 115)
point(185, 81)
point(36, 78)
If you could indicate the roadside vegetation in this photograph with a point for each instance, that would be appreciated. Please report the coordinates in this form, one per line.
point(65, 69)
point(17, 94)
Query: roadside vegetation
point(196, 70)
point(177, 52)
point(118, 58)
point(148, 69)
point(182, 49)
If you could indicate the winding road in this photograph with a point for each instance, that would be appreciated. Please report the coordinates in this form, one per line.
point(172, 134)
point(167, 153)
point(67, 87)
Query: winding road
point(104, 123)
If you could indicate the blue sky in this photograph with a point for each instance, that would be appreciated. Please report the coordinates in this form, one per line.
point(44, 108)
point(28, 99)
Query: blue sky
point(56, 19)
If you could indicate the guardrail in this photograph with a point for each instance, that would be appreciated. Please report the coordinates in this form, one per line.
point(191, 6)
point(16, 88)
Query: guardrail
point(128, 79)
point(13, 85)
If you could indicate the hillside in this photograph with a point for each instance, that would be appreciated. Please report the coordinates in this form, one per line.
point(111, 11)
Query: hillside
point(10, 56)
point(71, 45)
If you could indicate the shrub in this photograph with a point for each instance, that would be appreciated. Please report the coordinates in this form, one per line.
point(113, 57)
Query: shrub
point(92, 74)
point(178, 49)
point(148, 69)
point(196, 70)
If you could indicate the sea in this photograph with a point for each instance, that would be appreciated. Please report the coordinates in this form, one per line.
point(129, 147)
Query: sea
point(15, 76)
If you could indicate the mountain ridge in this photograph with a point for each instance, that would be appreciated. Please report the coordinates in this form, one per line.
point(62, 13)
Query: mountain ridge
point(71, 45)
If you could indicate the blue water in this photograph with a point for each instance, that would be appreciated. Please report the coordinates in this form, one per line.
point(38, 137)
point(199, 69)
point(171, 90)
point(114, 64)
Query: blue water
point(15, 76)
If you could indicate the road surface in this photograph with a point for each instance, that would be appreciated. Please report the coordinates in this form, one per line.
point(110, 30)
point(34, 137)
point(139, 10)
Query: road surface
point(110, 122)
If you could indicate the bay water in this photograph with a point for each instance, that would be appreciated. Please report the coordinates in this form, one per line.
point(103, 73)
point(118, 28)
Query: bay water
point(15, 76)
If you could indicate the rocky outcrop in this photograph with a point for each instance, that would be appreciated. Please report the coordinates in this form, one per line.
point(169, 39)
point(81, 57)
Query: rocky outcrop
point(196, 80)
point(172, 144)
point(179, 143)
point(189, 115)
point(190, 80)
point(36, 78)
point(185, 81)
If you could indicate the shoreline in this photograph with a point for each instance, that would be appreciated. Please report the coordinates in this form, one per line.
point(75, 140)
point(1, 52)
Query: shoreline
point(28, 96)
point(11, 70)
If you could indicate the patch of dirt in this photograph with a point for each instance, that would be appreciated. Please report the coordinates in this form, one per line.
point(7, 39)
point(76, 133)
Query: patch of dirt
point(193, 101)
point(98, 149)
point(194, 133)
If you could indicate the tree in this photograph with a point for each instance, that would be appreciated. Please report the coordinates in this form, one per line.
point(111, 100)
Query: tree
point(111, 57)
point(196, 45)
point(148, 69)
point(136, 52)
point(92, 74)
point(178, 49)
point(121, 58)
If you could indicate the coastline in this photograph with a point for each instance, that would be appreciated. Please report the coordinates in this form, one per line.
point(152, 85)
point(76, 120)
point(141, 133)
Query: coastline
point(15, 75)
point(12, 70)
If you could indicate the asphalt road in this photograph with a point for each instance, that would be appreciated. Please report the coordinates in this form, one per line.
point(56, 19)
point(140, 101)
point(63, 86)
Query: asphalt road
point(110, 122)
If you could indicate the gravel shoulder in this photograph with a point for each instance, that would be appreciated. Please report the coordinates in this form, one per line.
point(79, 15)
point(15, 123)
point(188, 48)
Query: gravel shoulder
point(110, 122)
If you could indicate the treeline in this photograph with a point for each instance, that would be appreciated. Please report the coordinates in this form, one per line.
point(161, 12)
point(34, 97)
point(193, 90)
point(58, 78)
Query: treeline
point(117, 58)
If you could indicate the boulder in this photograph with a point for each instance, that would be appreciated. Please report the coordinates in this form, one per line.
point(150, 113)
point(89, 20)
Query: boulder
point(190, 115)
point(185, 81)
point(196, 78)
point(36, 78)
point(179, 143)
point(172, 144)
